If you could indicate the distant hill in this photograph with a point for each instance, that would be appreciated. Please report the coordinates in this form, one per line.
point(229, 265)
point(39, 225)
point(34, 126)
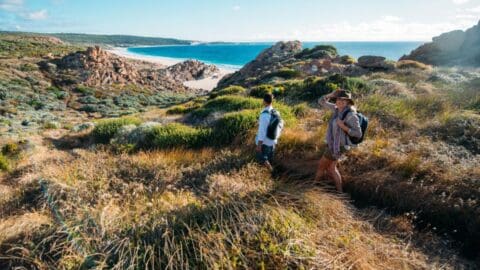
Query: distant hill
point(112, 40)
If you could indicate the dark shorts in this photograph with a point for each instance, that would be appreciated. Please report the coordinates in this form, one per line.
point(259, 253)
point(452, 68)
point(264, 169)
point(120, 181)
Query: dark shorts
point(266, 154)
point(327, 153)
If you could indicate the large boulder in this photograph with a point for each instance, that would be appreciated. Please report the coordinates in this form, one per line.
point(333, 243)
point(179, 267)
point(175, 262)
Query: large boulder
point(457, 47)
point(191, 70)
point(375, 63)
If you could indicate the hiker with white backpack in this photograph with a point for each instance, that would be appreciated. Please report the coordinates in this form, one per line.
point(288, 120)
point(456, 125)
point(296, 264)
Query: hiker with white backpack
point(345, 130)
point(270, 125)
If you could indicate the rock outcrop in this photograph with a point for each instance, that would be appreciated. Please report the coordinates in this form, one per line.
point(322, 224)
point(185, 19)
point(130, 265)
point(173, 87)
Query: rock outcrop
point(286, 60)
point(269, 60)
point(191, 70)
point(375, 63)
point(96, 67)
point(456, 48)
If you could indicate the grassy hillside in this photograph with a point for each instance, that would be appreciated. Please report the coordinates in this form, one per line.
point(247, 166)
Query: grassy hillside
point(178, 188)
point(112, 40)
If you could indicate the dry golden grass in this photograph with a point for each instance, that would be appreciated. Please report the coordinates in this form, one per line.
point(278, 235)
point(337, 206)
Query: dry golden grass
point(23, 226)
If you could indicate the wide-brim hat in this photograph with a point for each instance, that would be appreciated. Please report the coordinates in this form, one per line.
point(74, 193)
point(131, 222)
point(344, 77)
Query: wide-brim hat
point(342, 94)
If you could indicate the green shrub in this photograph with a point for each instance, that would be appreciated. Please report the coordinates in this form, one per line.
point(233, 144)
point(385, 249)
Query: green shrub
point(106, 129)
point(234, 124)
point(29, 67)
point(319, 51)
point(36, 104)
point(4, 164)
point(300, 110)
point(405, 64)
point(180, 109)
point(259, 91)
point(231, 90)
point(10, 149)
point(176, 135)
point(286, 73)
point(84, 90)
point(57, 92)
point(228, 104)
point(347, 60)
point(315, 87)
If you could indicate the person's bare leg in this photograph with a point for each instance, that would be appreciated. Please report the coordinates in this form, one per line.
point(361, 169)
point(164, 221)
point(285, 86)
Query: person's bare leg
point(322, 167)
point(335, 174)
point(268, 165)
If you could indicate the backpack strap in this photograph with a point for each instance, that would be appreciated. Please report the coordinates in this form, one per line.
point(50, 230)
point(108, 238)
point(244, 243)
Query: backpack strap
point(348, 110)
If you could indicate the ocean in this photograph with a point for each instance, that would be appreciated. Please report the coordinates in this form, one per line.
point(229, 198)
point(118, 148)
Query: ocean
point(235, 55)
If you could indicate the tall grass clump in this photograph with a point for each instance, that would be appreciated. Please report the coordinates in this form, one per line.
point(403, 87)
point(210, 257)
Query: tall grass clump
point(4, 164)
point(235, 124)
point(260, 91)
point(106, 129)
point(230, 90)
point(228, 104)
point(176, 135)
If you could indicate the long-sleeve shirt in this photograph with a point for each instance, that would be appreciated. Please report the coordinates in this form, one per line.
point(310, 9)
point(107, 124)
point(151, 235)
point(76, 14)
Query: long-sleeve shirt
point(263, 122)
point(351, 121)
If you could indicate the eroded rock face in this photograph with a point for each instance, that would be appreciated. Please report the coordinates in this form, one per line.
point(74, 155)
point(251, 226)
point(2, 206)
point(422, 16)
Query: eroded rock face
point(289, 59)
point(191, 70)
point(458, 47)
point(267, 61)
point(96, 67)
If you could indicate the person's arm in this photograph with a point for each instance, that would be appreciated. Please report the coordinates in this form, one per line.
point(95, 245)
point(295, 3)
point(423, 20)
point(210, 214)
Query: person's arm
point(351, 125)
point(323, 101)
point(262, 129)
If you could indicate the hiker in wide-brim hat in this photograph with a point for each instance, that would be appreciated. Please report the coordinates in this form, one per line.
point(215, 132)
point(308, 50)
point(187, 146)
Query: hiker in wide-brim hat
point(343, 126)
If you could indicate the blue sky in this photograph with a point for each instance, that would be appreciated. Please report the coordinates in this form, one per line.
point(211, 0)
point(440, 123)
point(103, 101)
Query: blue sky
point(245, 20)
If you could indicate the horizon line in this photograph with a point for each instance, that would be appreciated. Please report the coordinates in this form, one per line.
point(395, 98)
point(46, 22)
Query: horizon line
point(214, 41)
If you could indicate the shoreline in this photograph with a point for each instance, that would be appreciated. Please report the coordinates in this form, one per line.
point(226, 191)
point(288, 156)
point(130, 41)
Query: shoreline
point(206, 84)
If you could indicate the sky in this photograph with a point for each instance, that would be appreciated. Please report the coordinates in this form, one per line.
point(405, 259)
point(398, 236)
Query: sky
point(245, 20)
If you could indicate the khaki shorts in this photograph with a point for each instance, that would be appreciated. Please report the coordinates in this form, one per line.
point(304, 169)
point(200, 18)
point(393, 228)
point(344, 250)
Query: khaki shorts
point(327, 153)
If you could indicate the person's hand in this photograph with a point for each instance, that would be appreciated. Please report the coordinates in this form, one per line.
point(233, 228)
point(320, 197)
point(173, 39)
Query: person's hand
point(341, 124)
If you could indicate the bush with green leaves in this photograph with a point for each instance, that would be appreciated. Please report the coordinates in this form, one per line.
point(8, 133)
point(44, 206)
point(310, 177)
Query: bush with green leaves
point(235, 124)
point(10, 149)
point(106, 129)
point(260, 91)
point(300, 110)
point(36, 104)
point(315, 87)
point(85, 90)
point(230, 90)
point(176, 135)
point(286, 73)
point(4, 164)
point(227, 104)
point(319, 51)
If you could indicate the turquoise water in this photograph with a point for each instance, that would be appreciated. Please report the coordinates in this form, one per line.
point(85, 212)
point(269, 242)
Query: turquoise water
point(235, 55)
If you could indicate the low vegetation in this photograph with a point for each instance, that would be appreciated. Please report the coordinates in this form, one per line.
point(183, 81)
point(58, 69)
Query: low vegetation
point(179, 188)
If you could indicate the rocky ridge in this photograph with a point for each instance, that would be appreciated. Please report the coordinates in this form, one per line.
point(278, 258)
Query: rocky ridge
point(96, 67)
point(455, 48)
point(288, 59)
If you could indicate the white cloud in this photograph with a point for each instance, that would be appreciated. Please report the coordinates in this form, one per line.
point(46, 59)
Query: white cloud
point(236, 8)
point(390, 18)
point(384, 29)
point(473, 9)
point(11, 5)
point(460, 2)
point(36, 15)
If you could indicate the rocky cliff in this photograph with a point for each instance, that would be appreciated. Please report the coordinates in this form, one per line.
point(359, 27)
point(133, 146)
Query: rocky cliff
point(96, 67)
point(456, 48)
point(287, 60)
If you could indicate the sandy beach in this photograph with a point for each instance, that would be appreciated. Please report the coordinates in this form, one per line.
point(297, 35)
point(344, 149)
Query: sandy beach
point(205, 84)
